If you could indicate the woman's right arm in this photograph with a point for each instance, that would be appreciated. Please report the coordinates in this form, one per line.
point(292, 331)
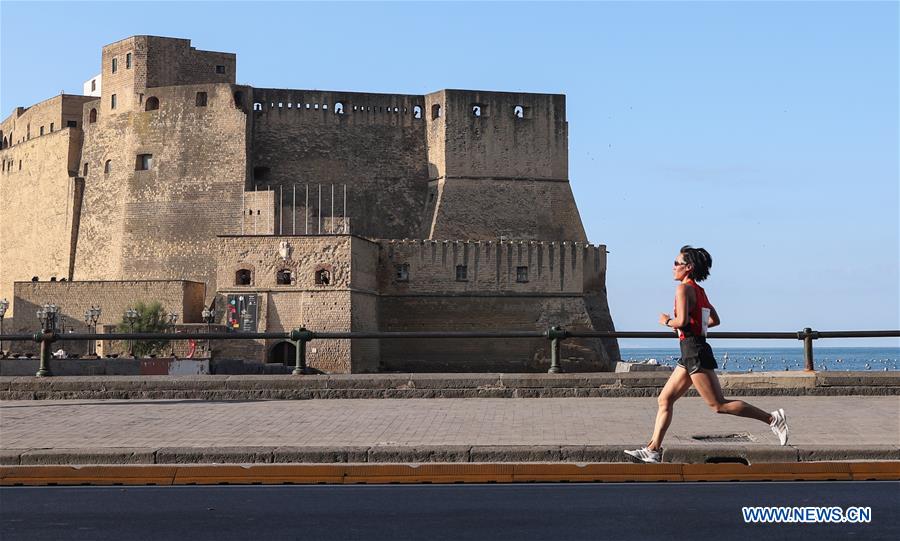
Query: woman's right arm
point(713, 317)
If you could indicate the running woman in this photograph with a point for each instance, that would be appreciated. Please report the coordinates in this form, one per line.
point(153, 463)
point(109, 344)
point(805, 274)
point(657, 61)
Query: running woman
point(693, 315)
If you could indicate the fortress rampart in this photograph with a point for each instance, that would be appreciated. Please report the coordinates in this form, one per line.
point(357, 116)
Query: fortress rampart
point(327, 209)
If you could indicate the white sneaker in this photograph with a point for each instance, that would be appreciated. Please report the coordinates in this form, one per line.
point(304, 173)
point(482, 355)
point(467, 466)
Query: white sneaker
point(779, 425)
point(644, 454)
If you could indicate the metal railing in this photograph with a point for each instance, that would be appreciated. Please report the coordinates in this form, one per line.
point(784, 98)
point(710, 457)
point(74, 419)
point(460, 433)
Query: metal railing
point(300, 337)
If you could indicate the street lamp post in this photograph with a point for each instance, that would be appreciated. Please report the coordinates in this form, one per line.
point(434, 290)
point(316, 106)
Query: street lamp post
point(91, 316)
point(47, 315)
point(4, 304)
point(131, 317)
point(173, 317)
point(209, 315)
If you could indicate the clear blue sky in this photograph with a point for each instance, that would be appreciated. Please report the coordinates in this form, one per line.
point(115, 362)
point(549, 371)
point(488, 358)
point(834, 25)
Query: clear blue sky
point(765, 132)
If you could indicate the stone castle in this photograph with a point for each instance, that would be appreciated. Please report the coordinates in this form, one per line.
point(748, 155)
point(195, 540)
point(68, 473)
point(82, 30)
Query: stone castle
point(335, 211)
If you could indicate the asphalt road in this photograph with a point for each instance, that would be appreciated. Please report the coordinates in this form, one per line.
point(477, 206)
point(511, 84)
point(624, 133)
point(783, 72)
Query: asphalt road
point(650, 511)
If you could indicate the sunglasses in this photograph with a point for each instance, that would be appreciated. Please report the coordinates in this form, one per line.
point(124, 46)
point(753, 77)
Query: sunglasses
point(677, 263)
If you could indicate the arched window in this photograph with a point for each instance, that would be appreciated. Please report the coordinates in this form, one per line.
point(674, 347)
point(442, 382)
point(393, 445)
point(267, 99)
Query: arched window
point(92, 117)
point(417, 112)
point(519, 111)
point(283, 277)
point(5, 143)
point(152, 104)
point(107, 167)
point(338, 108)
point(476, 110)
point(243, 277)
point(436, 111)
point(257, 106)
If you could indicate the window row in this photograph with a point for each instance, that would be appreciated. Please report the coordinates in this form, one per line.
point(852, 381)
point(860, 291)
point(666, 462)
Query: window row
point(8, 141)
point(114, 66)
point(150, 104)
point(142, 162)
point(401, 273)
point(284, 277)
point(9, 166)
point(340, 108)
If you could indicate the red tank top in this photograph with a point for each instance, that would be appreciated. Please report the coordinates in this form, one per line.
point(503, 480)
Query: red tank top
point(699, 316)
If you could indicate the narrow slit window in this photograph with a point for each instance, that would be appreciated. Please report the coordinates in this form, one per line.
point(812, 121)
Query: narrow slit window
point(522, 274)
point(402, 272)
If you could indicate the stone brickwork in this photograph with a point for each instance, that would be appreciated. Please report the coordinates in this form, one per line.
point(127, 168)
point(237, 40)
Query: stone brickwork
point(174, 173)
point(73, 298)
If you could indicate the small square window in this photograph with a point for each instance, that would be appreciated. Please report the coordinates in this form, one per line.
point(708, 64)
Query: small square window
point(220, 69)
point(115, 65)
point(128, 61)
point(144, 162)
point(201, 99)
point(462, 273)
point(71, 124)
point(402, 272)
point(521, 274)
point(112, 101)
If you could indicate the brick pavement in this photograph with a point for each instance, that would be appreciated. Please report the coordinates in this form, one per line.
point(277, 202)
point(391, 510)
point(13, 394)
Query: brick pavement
point(77, 424)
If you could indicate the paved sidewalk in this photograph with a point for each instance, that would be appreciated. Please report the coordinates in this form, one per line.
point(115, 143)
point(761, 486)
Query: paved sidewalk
point(447, 429)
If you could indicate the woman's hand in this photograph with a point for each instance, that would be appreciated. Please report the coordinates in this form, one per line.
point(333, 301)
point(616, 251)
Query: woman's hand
point(664, 319)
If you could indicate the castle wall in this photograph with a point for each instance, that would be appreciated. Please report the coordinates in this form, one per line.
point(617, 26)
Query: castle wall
point(509, 286)
point(376, 147)
point(73, 298)
point(484, 312)
point(162, 222)
point(499, 174)
point(49, 116)
point(344, 303)
point(513, 267)
point(39, 203)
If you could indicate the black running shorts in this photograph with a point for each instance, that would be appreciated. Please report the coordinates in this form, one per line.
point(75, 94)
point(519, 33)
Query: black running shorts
point(696, 354)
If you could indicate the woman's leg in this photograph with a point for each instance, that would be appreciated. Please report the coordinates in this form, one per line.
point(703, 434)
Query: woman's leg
point(678, 384)
point(707, 383)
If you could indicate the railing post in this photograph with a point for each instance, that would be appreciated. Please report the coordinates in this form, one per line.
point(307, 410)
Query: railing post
point(808, 335)
point(46, 339)
point(556, 335)
point(300, 337)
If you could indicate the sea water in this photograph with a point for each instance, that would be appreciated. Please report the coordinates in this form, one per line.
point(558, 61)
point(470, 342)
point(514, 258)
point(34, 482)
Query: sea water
point(737, 359)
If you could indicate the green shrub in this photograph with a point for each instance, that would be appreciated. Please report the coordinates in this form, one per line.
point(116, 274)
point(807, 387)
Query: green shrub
point(151, 318)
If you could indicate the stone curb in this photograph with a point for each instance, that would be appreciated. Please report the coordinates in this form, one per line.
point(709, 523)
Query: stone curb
point(359, 386)
point(393, 454)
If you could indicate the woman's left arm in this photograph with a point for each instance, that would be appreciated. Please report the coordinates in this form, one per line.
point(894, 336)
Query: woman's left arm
point(681, 309)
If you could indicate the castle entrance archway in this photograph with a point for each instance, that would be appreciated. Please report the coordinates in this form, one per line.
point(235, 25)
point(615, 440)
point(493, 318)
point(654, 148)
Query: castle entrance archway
point(283, 352)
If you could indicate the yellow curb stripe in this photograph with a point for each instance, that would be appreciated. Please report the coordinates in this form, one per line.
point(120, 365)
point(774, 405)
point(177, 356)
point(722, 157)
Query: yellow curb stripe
point(269, 474)
point(875, 471)
point(776, 471)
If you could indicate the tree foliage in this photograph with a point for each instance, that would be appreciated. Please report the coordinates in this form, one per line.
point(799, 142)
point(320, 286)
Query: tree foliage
point(151, 318)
